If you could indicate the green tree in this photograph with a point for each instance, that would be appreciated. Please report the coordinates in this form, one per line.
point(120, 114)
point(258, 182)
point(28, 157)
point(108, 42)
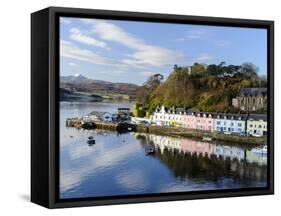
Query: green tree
point(212, 70)
point(197, 69)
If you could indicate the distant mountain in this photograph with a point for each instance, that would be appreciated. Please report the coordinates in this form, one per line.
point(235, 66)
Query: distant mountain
point(73, 78)
point(105, 89)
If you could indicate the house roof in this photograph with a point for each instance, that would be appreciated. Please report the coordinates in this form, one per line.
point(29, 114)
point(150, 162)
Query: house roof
point(250, 92)
point(231, 116)
point(257, 117)
point(97, 113)
point(192, 110)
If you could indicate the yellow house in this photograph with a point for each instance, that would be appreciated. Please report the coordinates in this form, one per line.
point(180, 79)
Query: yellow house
point(257, 124)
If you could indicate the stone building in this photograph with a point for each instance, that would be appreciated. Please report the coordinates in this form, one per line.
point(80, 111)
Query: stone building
point(251, 99)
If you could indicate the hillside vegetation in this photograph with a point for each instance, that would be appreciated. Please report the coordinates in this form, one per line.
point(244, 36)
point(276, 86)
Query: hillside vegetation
point(208, 88)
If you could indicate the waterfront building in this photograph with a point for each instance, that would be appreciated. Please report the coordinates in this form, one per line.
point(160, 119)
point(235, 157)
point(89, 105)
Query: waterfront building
point(160, 117)
point(251, 99)
point(189, 120)
point(204, 121)
point(257, 124)
point(176, 116)
point(167, 117)
point(198, 120)
point(98, 116)
point(233, 123)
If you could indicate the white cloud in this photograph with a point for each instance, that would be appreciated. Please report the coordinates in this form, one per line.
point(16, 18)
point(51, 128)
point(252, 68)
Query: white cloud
point(70, 178)
point(197, 34)
point(77, 35)
point(203, 58)
point(132, 180)
point(69, 50)
point(71, 64)
point(144, 55)
point(147, 73)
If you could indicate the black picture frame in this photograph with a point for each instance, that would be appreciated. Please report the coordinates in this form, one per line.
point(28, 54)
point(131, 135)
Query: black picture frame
point(45, 107)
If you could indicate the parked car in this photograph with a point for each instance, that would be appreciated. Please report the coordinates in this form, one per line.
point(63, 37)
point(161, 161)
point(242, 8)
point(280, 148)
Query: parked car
point(227, 132)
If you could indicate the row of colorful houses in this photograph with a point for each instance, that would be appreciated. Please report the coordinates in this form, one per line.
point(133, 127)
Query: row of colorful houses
point(250, 124)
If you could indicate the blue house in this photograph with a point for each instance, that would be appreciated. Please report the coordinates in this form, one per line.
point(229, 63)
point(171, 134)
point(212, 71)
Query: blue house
point(227, 122)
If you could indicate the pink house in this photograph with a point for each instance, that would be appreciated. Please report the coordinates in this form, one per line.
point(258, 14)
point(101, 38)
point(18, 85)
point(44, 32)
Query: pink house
point(189, 120)
point(199, 121)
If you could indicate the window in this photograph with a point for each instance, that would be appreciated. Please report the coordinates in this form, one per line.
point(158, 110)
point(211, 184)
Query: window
point(218, 122)
point(251, 125)
point(239, 124)
point(232, 124)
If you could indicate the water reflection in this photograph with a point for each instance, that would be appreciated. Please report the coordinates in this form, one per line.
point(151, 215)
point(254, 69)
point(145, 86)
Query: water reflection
point(202, 160)
point(118, 165)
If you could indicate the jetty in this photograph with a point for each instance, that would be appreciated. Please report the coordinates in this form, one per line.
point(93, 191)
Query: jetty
point(111, 126)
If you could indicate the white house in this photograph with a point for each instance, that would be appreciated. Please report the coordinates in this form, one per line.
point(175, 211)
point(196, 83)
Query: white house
point(234, 123)
point(168, 117)
point(257, 124)
point(161, 116)
point(98, 116)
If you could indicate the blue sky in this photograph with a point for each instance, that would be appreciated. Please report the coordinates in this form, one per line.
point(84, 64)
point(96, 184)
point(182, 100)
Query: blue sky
point(129, 51)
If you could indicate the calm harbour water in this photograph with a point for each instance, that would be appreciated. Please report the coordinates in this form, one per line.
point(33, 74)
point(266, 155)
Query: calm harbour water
point(118, 164)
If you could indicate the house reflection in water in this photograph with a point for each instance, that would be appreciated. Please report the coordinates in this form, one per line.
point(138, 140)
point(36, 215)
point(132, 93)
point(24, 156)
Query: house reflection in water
point(182, 145)
point(203, 161)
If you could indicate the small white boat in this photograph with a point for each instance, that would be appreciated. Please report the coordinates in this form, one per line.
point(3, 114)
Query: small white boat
point(256, 135)
point(262, 150)
point(207, 138)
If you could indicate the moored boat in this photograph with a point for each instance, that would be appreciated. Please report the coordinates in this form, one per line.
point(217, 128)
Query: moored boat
point(207, 138)
point(151, 151)
point(91, 140)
